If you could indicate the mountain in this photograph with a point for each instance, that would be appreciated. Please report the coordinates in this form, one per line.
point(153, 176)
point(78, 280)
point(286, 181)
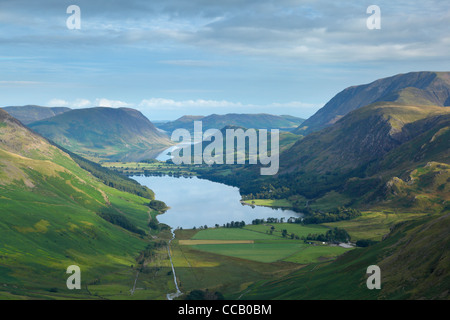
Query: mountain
point(31, 113)
point(54, 214)
point(215, 121)
point(370, 146)
point(414, 88)
point(362, 136)
point(105, 133)
point(385, 155)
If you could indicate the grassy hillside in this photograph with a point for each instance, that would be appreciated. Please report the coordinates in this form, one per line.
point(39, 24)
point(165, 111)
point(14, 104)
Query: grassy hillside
point(104, 133)
point(414, 88)
point(414, 263)
point(52, 216)
point(29, 114)
point(362, 136)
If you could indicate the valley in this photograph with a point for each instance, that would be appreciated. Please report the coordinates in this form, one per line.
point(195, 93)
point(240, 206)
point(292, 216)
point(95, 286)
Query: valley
point(363, 182)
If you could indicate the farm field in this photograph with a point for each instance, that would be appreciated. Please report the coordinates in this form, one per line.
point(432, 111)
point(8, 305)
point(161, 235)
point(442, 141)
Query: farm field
point(264, 247)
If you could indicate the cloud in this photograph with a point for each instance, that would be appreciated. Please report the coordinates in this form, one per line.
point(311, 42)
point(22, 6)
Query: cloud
point(85, 103)
point(169, 104)
point(111, 103)
point(76, 104)
point(318, 31)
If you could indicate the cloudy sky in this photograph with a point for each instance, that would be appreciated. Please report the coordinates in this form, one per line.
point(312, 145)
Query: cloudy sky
point(174, 57)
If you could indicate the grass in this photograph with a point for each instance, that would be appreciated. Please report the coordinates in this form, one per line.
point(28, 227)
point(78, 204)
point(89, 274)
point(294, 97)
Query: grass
point(261, 252)
point(230, 234)
point(266, 247)
point(49, 221)
point(297, 229)
point(372, 224)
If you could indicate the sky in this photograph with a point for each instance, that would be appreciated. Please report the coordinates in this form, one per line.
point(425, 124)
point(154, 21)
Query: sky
point(197, 57)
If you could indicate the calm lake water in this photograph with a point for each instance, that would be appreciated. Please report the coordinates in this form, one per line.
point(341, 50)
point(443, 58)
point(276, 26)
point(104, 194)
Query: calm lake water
point(196, 202)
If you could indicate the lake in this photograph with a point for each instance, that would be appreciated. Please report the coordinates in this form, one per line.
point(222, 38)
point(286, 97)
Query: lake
point(197, 202)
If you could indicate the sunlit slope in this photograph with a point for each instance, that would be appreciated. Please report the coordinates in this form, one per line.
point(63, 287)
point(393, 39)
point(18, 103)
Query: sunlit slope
point(105, 133)
point(414, 261)
point(49, 217)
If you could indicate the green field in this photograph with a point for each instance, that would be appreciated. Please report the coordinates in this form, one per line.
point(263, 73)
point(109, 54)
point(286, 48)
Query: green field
point(267, 247)
point(230, 234)
point(262, 252)
point(373, 224)
point(297, 229)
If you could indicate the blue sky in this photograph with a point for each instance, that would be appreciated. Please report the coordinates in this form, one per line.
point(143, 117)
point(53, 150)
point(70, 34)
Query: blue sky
point(175, 57)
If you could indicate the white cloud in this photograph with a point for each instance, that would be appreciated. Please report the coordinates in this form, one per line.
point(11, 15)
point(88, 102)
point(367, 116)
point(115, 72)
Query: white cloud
point(76, 104)
point(103, 102)
point(169, 104)
point(57, 103)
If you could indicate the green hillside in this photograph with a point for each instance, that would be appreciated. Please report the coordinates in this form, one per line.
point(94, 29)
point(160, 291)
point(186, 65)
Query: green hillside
point(54, 214)
point(105, 134)
point(414, 262)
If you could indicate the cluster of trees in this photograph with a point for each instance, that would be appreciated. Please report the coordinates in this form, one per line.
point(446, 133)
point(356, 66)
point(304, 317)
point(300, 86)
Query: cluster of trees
point(158, 205)
point(268, 220)
point(233, 224)
point(204, 295)
point(285, 234)
point(149, 252)
point(109, 215)
point(335, 235)
point(338, 214)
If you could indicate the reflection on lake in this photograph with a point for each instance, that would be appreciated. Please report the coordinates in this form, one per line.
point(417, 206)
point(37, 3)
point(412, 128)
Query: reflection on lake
point(197, 202)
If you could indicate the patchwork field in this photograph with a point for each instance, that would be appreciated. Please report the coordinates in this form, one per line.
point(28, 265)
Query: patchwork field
point(263, 243)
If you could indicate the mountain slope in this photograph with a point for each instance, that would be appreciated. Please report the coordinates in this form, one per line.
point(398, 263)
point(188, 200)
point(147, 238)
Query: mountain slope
point(105, 133)
point(53, 214)
point(362, 136)
point(30, 113)
point(415, 88)
point(215, 121)
point(361, 160)
point(414, 261)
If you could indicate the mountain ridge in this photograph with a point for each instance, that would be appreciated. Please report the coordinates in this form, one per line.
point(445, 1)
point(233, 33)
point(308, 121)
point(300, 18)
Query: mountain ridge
point(31, 113)
point(422, 88)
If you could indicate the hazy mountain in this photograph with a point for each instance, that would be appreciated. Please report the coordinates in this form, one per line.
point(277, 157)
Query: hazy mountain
point(31, 113)
point(105, 133)
point(54, 214)
point(215, 121)
point(415, 88)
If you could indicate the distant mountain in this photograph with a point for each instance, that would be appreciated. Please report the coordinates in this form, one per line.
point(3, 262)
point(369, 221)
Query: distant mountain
point(55, 214)
point(30, 113)
point(105, 133)
point(414, 88)
point(215, 121)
